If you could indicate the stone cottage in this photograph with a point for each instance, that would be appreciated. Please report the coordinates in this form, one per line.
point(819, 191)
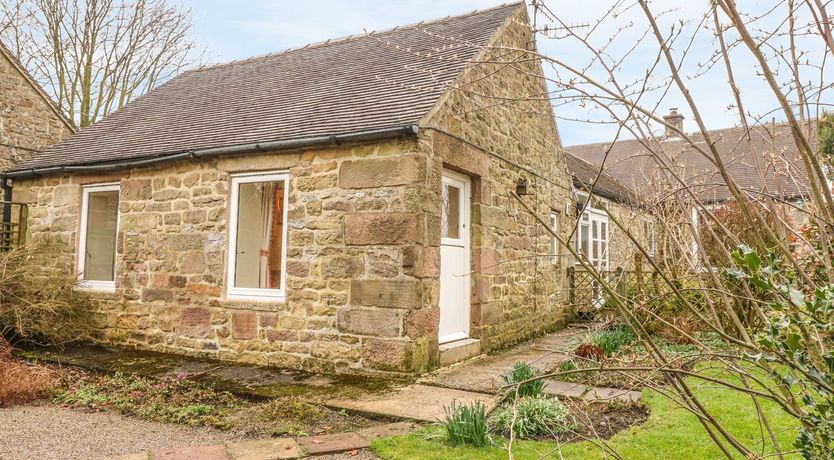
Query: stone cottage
point(628, 178)
point(29, 120)
point(343, 207)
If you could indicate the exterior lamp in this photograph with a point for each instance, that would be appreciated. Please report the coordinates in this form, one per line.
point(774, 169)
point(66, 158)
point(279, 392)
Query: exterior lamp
point(521, 187)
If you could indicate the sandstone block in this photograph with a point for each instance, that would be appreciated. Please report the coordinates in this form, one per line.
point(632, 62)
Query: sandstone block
point(192, 263)
point(136, 189)
point(382, 172)
point(139, 222)
point(377, 322)
point(244, 325)
point(153, 295)
point(422, 262)
point(386, 354)
point(423, 322)
point(386, 293)
point(383, 228)
point(196, 323)
point(341, 266)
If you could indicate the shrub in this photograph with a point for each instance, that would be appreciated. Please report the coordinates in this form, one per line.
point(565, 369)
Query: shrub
point(611, 341)
point(466, 424)
point(38, 296)
point(589, 351)
point(22, 382)
point(522, 372)
point(536, 417)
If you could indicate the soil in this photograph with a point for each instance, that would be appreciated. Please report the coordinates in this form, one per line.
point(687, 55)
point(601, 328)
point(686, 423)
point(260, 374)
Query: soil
point(292, 416)
point(602, 421)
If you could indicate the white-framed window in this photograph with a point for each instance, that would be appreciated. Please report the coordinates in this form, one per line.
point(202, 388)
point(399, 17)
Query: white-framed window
point(98, 237)
point(649, 236)
point(592, 237)
point(554, 242)
point(258, 237)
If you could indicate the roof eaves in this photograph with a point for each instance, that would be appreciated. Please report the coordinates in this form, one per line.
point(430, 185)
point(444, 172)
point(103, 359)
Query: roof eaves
point(288, 144)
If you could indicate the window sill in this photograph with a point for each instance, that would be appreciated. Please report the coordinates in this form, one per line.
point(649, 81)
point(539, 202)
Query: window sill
point(256, 297)
point(103, 287)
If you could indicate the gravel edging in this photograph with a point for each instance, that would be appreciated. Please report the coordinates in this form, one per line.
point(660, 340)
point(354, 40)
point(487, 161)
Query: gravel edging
point(53, 432)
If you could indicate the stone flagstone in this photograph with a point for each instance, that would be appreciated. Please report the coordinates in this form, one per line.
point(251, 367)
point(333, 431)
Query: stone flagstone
point(333, 443)
point(268, 449)
point(603, 394)
point(565, 389)
point(483, 373)
point(414, 402)
point(191, 453)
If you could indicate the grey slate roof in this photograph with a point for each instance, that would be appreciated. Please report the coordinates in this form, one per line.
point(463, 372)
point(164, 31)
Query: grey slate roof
point(375, 81)
point(768, 163)
point(586, 176)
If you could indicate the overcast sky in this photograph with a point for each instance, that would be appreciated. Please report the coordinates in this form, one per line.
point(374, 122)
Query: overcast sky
point(232, 29)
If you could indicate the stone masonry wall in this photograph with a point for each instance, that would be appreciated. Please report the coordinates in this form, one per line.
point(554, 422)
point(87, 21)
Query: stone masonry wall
point(27, 122)
point(363, 252)
point(362, 290)
point(495, 127)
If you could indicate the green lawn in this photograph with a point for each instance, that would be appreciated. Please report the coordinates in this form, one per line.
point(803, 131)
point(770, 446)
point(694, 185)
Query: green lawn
point(670, 432)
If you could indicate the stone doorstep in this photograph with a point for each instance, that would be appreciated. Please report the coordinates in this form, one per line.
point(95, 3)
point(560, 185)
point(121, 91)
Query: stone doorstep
point(459, 350)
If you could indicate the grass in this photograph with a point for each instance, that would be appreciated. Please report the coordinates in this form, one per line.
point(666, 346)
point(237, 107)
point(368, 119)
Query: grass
point(670, 432)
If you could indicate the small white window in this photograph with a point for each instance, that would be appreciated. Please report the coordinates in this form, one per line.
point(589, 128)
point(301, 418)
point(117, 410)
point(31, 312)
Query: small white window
point(649, 236)
point(98, 236)
point(554, 242)
point(258, 237)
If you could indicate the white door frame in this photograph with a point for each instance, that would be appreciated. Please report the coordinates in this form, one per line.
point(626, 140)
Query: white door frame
point(463, 241)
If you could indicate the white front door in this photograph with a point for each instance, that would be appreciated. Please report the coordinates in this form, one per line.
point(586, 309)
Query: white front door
point(454, 257)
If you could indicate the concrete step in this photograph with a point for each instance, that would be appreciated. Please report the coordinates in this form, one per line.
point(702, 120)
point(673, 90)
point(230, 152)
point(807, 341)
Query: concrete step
point(459, 350)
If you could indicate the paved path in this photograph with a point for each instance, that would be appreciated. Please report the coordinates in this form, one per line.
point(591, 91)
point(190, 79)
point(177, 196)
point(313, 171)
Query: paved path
point(482, 374)
point(423, 403)
point(353, 445)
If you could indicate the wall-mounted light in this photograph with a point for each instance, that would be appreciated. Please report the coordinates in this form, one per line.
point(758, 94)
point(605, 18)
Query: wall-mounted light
point(521, 187)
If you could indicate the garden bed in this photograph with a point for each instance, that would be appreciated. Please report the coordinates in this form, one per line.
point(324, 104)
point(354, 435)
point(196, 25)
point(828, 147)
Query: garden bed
point(176, 399)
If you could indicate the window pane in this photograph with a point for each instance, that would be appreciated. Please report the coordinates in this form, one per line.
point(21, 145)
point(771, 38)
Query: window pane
point(603, 232)
point(450, 212)
point(583, 238)
point(554, 243)
point(260, 232)
point(100, 246)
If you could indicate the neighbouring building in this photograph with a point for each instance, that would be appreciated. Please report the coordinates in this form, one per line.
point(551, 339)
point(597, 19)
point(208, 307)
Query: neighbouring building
point(343, 207)
point(763, 161)
point(29, 120)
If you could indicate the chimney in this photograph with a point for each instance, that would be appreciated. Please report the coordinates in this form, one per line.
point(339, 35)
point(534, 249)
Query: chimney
point(674, 119)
